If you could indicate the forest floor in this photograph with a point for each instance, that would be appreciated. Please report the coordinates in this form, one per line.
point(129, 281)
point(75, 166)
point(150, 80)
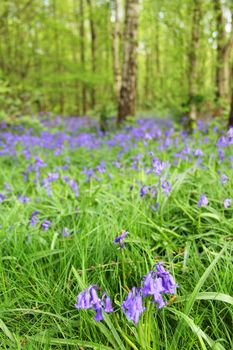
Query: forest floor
point(67, 191)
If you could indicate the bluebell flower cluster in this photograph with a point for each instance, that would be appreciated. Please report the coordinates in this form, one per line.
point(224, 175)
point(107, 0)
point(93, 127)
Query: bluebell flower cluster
point(156, 284)
point(89, 299)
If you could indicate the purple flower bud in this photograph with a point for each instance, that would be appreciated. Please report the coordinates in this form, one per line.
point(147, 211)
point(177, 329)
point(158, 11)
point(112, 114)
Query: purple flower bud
point(2, 197)
point(120, 239)
point(166, 186)
point(203, 201)
point(227, 202)
point(224, 179)
point(65, 232)
point(45, 225)
point(33, 219)
point(143, 191)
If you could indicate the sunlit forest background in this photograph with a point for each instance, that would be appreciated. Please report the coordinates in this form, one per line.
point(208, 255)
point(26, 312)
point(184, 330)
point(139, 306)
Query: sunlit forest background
point(66, 56)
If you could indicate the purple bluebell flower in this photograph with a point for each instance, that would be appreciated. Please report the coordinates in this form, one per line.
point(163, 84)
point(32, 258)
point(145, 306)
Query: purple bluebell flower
point(198, 152)
point(203, 201)
point(132, 306)
point(65, 232)
point(120, 239)
point(106, 303)
point(157, 166)
point(7, 187)
point(23, 199)
point(143, 191)
point(155, 206)
point(101, 167)
point(230, 136)
point(2, 197)
point(66, 178)
point(34, 219)
point(89, 299)
point(153, 191)
point(227, 202)
point(152, 285)
point(88, 172)
point(221, 154)
point(52, 177)
point(84, 300)
point(166, 186)
point(168, 282)
point(224, 179)
point(46, 224)
point(74, 186)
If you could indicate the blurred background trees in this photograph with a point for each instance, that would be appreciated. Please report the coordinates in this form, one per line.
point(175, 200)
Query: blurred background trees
point(69, 56)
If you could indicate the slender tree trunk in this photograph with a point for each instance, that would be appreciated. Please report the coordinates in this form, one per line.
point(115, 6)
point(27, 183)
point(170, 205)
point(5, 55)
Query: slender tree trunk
point(58, 55)
point(147, 79)
point(93, 50)
point(224, 46)
point(126, 106)
point(230, 121)
point(116, 46)
point(82, 55)
point(193, 53)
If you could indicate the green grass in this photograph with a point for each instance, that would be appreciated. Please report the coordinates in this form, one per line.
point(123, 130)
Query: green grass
point(42, 272)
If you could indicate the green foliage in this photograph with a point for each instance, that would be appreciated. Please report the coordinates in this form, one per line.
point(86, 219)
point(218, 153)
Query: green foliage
point(41, 49)
point(42, 272)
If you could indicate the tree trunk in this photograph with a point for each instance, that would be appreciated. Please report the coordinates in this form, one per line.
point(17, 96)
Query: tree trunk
point(93, 51)
point(82, 55)
point(230, 121)
point(224, 46)
point(126, 106)
point(193, 72)
point(116, 45)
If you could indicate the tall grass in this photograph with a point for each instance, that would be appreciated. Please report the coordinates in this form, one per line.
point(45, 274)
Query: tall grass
point(42, 271)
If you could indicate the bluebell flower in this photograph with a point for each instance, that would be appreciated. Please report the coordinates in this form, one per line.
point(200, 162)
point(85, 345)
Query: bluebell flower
point(84, 300)
point(132, 306)
point(23, 199)
point(198, 153)
point(2, 197)
point(230, 136)
point(157, 166)
point(203, 201)
point(152, 285)
point(143, 191)
point(168, 282)
point(65, 232)
point(227, 202)
point(34, 219)
point(166, 186)
point(224, 179)
point(89, 299)
point(74, 186)
point(45, 225)
point(120, 239)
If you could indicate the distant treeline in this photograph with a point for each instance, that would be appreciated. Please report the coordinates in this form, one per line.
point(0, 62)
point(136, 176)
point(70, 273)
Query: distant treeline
point(79, 56)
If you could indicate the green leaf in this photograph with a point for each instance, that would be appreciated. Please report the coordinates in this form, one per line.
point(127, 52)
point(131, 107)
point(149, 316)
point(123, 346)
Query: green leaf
point(72, 342)
point(198, 331)
point(6, 331)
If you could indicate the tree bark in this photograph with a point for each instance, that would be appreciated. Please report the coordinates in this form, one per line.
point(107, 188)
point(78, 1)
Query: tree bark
point(193, 72)
point(116, 45)
point(82, 55)
point(224, 46)
point(126, 106)
point(93, 51)
point(230, 120)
